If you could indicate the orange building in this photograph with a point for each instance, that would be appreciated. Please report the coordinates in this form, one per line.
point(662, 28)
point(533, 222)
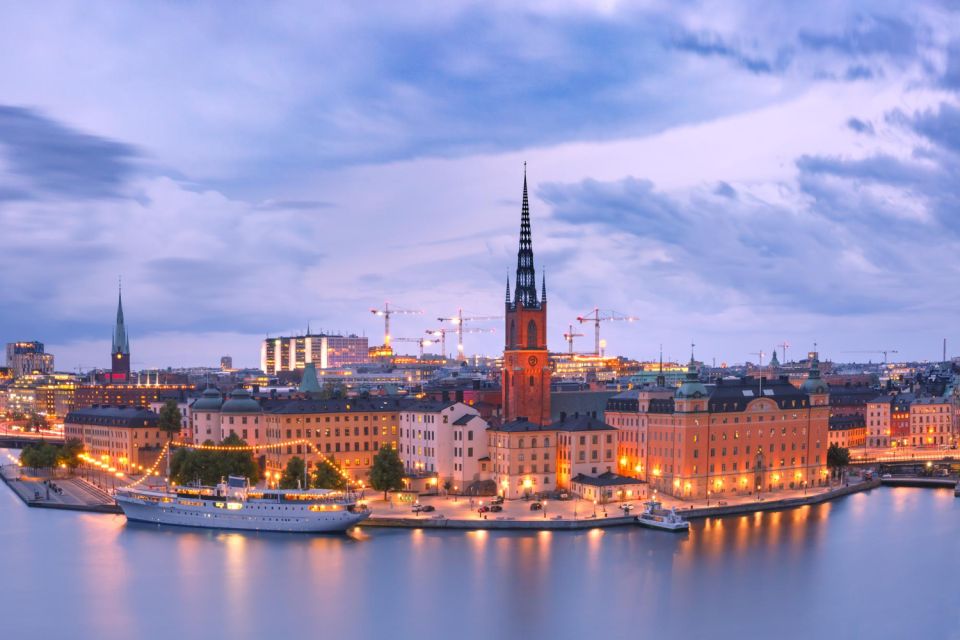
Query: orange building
point(349, 432)
point(522, 457)
point(127, 438)
point(739, 436)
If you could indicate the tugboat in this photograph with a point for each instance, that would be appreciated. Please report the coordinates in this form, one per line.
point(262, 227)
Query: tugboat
point(235, 505)
point(656, 517)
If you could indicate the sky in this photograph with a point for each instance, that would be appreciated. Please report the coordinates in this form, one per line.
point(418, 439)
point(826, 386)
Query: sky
point(733, 174)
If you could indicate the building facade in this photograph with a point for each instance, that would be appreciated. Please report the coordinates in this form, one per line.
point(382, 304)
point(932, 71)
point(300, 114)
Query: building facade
point(25, 358)
point(526, 361)
point(443, 439)
point(291, 353)
point(523, 457)
point(125, 437)
point(879, 411)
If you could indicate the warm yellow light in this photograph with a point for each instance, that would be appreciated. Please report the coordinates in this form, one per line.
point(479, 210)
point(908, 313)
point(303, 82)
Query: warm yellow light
point(623, 461)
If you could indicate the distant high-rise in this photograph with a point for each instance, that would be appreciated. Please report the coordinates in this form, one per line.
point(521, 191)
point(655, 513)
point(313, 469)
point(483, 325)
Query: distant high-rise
point(120, 352)
point(25, 358)
point(226, 363)
point(325, 351)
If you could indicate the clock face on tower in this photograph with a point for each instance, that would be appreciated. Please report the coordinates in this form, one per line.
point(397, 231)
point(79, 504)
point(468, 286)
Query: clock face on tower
point(532, 361)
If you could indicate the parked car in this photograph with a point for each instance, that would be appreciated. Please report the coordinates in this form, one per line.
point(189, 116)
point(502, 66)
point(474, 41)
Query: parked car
point(484, 509)
point(886, 476)
point(417, 508)
point(497, 500)
point(536, 506)
point(496, 508)
point(428, 508)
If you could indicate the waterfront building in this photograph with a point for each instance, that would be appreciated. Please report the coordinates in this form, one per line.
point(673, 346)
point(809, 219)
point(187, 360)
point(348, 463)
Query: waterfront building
point(586, 446)
point(523, 457)
point(526, 361)
point(443, 439)
point(127, 438)
point(931, 422)
point(607, 487)
point(211, 417)
point(736, 436)
point(900, 420)
point(347, 431)
point(879, 411)
point(291, 353)
point(25, 358)
point(847, 431)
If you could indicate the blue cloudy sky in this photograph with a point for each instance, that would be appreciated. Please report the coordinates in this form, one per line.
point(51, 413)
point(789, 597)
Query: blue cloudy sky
point(735, 173)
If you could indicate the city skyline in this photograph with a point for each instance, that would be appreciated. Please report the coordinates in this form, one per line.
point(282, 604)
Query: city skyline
point(727, 179)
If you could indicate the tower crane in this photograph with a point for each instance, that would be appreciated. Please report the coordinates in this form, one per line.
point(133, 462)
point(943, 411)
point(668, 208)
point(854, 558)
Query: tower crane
point(883, 351)
point(386, 312)
point(442, 334)
point(783, 347)
point(459, 320)
point(597, 316)
point(569, 336)
point(421, 343)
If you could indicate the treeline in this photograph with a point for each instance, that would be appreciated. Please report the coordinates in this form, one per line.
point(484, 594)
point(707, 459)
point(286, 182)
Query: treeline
point(209, 466)
point(47, 456)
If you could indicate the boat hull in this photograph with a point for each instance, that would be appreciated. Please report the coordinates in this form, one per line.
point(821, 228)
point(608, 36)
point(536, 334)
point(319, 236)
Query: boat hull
point(250, 518)
point(664, 526)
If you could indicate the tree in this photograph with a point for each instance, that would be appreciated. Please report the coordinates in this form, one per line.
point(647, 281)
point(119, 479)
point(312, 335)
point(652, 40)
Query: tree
point(69, 453)
point(327, 475)
point(170, 419)
point(386, 474)
point(837, 458)
point(209, 466)
point(294, 475)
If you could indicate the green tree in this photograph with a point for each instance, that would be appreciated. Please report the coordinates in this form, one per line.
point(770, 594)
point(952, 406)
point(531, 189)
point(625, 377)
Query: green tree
point(327, 475)
point(386, 474)
point(209, 466)
point(838, 458)
point(69, 453)
point(294, 475)
point(170, 419)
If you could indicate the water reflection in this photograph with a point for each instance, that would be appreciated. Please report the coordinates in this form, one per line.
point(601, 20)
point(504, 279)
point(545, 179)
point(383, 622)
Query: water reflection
point(796, 572)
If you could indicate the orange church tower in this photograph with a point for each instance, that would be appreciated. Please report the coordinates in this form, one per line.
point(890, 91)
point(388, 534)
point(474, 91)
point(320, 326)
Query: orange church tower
point(526, 361)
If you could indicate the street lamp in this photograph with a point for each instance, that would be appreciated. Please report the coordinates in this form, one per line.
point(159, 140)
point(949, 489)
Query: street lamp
point(544, 509)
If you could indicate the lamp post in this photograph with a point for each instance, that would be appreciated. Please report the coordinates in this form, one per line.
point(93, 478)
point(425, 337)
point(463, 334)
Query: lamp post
point(544, 509)
point(708, 497)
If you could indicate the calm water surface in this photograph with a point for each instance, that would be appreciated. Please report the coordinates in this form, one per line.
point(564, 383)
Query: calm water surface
point(878, 565)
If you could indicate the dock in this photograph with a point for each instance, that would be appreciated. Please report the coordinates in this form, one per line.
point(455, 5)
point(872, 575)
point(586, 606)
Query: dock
point(76, 494)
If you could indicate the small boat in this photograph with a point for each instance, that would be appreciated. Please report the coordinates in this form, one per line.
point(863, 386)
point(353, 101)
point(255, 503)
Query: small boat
point(235, 505)
point(956, 490)
point(657, 517)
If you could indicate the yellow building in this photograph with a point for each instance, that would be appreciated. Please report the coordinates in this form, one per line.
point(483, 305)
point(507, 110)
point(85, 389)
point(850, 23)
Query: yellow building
point(124, 437)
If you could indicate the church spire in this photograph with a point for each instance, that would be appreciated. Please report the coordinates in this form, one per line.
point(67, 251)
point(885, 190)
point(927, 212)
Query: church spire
point(508, 288)
point(120, 342)
point(543, 288)
point(526, 291)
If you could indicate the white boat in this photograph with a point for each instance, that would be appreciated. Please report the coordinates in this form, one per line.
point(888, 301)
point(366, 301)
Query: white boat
point(655, 516)
point(235, 505)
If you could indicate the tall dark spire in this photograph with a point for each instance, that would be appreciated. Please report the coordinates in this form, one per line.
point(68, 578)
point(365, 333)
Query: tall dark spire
point(543, 288)
point(526, 291)
point(120, 342)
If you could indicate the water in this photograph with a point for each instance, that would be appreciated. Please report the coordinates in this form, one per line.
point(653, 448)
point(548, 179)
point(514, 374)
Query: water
point(876, 565)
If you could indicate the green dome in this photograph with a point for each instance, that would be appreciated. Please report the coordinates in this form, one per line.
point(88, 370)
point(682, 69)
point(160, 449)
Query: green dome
point(692, 387)
point(814, 384)
point(210, 400)
point(240, 402)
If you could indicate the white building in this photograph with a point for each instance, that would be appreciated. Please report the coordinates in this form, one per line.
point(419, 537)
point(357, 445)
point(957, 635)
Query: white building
point(443, 438)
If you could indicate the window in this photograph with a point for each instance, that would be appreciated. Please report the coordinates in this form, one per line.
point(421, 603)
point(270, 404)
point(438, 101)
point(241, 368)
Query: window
point(531, 335)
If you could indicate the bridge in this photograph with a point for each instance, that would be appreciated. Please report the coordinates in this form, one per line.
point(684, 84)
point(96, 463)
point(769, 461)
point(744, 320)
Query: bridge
point(11, 441)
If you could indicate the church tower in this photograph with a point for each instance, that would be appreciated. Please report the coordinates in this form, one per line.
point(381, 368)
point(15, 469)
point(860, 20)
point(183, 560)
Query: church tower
point(526, 362)
point(120, 352)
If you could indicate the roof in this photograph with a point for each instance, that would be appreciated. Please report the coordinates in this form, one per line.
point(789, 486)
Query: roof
point(521, 425)
point(240, 401)
point(607, 479)
point(429, 406)
point(583, 423)
point(113, 416)
point(338, 405)
point(464, 419)
point(842, 423)
point(735, 395)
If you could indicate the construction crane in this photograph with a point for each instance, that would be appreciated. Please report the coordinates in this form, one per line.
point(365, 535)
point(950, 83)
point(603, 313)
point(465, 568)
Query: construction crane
point(459, 321)
point(597, 316)
point(442, 334)
point(783, 347)
point(569, 336)
point(421, 342)
point(883, 351)
point(386, 312)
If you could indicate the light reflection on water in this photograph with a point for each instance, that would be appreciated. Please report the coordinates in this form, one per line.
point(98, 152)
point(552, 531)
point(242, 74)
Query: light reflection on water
point(796, 573)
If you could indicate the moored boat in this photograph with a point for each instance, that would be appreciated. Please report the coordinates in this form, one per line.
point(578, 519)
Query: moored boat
point(235, 505)
point(655, 516)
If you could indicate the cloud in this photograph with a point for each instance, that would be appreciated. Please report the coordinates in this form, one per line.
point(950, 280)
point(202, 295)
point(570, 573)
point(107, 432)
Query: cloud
point(55, 160)
point(867, 35)
point(942, 127)
point(860, 126)
point(711, 44)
